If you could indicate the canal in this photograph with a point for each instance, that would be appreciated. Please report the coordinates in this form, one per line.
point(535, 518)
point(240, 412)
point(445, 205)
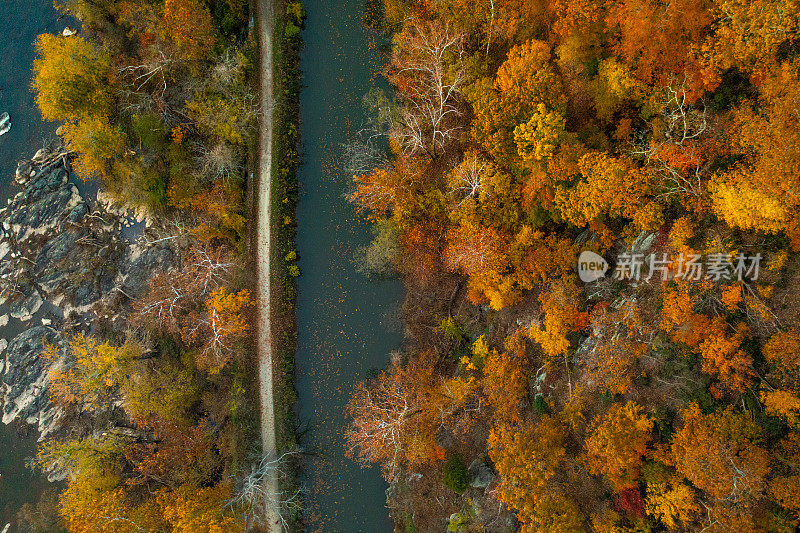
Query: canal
point(344, 333)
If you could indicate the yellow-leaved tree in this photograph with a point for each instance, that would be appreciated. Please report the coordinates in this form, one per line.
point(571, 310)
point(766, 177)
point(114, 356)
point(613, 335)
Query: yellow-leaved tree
point(613, 187)
point(97, 143)
point(71, 78)
point(669, 498)
point(762, 191)
point(562, 316)
point(538, 138)
point(91, 372)
point(527, 459)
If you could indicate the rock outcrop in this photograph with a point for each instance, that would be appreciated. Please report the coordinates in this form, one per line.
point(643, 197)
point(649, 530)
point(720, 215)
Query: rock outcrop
point(24, 380)
point(5, 123)
point(75, 262)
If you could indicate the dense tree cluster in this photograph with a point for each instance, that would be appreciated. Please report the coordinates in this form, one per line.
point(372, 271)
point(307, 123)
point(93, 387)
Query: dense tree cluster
point(155, 102)
point(522, 133)
point(157, 105)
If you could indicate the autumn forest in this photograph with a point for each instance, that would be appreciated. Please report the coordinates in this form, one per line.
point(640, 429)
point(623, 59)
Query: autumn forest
point(155, 105)
point(521, 134)
point(594, 207)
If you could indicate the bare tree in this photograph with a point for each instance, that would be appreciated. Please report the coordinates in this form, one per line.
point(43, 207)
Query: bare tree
point(466, 180)
point(169, 228)
point(173, 292)
point(381, 413)
point(254, 496)
point(367, 150)
point(220, 162)
point(362, 157)
point(683, 124)
point(428, 70)
point(154, 69)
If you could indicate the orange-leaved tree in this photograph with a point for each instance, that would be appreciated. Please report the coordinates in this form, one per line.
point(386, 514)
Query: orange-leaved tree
point(616, 447)
point(200, 509)
point(223, 324)
point(619, 337)
point(659, 40)
point(525, 80)
point(189, 25)
point(723, 357)
point(670, 499)
point(720, 454)
point(611, 186)
point(505, 383)
point(784, 483)
point(680, 319)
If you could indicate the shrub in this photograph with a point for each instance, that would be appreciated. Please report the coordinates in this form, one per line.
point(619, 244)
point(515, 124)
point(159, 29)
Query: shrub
point(150, 130)
point(456, 475)
point(539, 404)
point(292, 30)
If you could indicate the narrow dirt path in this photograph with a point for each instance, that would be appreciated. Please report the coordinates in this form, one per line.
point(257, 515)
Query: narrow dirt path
point(263, 239)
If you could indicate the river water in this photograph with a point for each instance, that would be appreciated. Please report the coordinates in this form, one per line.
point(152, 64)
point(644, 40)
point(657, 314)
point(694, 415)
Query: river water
point(344, 331)
point(20, 22)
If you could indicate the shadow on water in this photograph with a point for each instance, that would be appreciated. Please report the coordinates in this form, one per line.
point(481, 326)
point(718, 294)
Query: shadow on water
point(343, 333)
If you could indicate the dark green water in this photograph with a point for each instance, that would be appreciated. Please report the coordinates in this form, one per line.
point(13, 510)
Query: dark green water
point(20, 22)
point(18, 483)
point(344, 332)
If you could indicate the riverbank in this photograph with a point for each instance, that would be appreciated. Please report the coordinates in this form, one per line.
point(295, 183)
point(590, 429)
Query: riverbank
point(278, 26)
point(289, 17)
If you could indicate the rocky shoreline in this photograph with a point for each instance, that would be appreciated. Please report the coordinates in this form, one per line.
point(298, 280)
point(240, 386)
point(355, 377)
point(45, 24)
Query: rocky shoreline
point(68, 264)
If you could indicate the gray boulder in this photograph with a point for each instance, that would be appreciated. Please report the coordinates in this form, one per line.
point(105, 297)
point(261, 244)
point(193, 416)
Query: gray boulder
point(24, 309)
point(24, 380)
point(58, 249)
point(482, 475)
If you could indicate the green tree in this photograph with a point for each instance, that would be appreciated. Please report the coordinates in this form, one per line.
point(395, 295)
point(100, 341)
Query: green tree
point(456, 475)
point(98, 144)
point(160, 388)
